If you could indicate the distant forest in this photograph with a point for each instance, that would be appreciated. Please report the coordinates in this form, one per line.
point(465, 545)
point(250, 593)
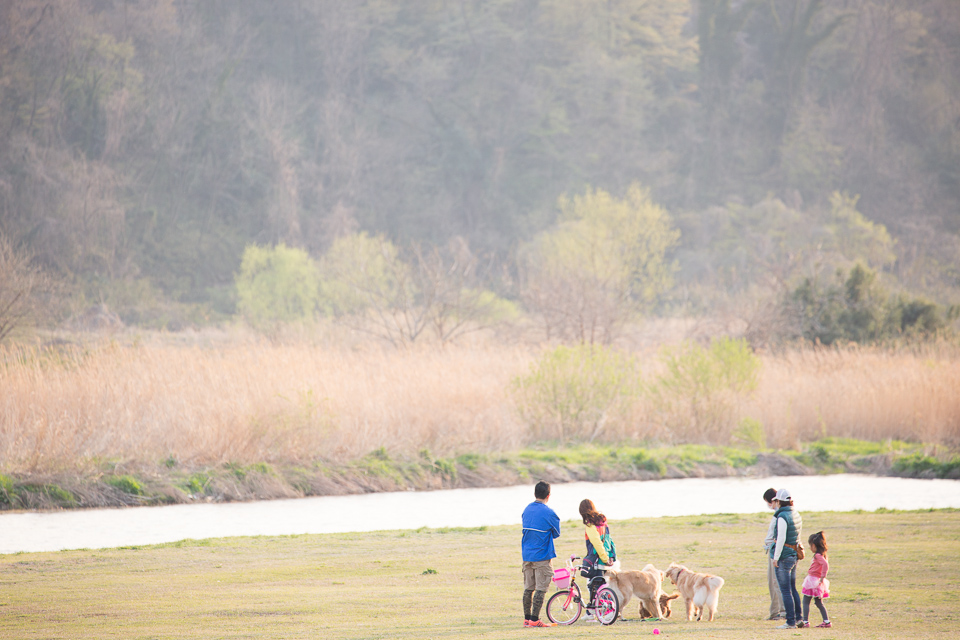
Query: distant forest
point(145, 144)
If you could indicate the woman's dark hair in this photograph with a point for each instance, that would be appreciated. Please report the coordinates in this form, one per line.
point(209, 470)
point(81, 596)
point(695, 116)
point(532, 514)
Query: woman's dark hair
point(590, 514)
point(769, 495)
point(818, 543)
point(786, 503)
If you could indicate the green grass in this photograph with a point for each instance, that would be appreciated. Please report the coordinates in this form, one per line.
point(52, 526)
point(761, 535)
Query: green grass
point(894, 575)
point(628, 458)
point(125, 483)
point(920, 464)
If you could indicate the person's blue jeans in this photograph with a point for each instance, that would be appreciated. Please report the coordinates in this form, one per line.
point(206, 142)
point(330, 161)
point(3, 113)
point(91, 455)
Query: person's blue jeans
point(787, 579)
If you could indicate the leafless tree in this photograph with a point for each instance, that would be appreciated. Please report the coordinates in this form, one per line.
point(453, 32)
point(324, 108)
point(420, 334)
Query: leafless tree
point(574, 306)
point(401, 295)
point(21, 285)
point(453, 282)
point(373, 290)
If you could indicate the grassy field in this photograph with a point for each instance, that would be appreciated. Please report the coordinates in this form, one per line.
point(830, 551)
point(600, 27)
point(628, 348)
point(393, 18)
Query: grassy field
point(894, 575)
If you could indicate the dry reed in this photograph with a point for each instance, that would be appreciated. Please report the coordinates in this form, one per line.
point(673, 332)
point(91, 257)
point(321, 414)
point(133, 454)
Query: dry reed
point(860, 392)
point(249, 402)
point(256, 401)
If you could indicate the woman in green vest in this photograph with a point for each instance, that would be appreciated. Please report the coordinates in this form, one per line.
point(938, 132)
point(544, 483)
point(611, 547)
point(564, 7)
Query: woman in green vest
point(784, 555)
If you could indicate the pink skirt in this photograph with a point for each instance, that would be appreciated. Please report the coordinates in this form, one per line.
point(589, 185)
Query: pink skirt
point(812, 587)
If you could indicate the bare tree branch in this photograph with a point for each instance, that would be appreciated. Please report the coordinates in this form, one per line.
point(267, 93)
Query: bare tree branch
point(20, 285)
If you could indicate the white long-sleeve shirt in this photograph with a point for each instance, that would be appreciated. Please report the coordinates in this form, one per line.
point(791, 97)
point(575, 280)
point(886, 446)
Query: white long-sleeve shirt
point(771, 538)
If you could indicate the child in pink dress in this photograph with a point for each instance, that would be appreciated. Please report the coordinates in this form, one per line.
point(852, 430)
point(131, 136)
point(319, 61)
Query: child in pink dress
point(816, 585)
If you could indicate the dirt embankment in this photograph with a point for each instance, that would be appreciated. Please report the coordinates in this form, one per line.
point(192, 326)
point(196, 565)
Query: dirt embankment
point(265, 482)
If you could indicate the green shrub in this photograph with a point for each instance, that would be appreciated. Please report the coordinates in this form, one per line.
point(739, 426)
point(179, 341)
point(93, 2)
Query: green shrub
point(697, 397)
point(127, 484)
point(643, 460)
point(240, 472)
point(61, 496)
point(446, 468)
point(915, 317)
point(750, 432)
point(854, 307)
point(277, 284)
point(848, 308)
point(237, 470)
point(197, 483)
point(571, 393)
point(821, 455)
point(378, 463)
point(920, 464)
point(6, 490)
point(739, 459)
point(471, 461)
point(56, 494)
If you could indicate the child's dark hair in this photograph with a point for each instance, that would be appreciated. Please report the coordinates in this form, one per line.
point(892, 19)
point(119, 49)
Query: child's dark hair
point(818, 543)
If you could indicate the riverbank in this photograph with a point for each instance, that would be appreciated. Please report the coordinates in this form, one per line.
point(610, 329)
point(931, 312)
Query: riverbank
point(116, 485)
point(893, 576)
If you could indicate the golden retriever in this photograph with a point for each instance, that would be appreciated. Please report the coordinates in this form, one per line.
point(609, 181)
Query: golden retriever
point(665, 601)
point(700, 591)
point(644, 584)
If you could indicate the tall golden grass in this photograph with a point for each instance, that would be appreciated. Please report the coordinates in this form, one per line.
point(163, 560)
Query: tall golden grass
point(909, 393)
point(251, 400)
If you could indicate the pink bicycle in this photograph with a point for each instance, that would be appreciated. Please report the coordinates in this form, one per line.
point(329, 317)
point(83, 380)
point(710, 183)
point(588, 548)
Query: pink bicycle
point(566, 605)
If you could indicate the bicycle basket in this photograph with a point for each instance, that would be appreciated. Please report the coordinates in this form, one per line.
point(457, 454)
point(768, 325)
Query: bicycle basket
point(562, 577)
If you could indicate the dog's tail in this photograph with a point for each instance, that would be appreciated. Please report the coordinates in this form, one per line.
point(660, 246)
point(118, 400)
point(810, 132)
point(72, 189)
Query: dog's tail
point(713, 594)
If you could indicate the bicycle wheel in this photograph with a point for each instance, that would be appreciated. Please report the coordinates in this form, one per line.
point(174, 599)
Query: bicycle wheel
point(607, 606)
point(565, 606)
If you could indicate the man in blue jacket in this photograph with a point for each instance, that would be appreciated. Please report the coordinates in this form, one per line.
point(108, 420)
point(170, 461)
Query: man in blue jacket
point(540, 526)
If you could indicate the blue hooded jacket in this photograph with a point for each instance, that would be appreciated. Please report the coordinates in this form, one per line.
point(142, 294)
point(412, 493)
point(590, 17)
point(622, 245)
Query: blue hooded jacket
point(540, 526)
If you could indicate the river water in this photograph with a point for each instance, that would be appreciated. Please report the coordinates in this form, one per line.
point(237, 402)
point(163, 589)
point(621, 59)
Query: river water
point(107, 528)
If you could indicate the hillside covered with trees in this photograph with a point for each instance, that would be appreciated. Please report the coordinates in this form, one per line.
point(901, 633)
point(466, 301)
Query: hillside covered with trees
point(777, 154)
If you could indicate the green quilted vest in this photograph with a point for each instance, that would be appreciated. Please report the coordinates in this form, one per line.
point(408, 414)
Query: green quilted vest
point(794, 525)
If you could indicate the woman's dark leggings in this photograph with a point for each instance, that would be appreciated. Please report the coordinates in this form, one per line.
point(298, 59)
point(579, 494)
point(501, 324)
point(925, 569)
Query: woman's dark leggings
point(594, 578)
point(816, 601)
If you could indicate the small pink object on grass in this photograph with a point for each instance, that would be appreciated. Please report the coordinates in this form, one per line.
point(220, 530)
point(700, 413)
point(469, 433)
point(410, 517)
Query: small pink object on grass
point(656, 632)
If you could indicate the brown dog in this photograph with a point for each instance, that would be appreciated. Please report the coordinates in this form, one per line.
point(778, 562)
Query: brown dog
point(644, 584)
point(700, 591)
point(665, 601)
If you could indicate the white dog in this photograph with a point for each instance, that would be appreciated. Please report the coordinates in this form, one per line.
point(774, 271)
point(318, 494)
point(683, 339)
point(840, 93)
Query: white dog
point(700, 591)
